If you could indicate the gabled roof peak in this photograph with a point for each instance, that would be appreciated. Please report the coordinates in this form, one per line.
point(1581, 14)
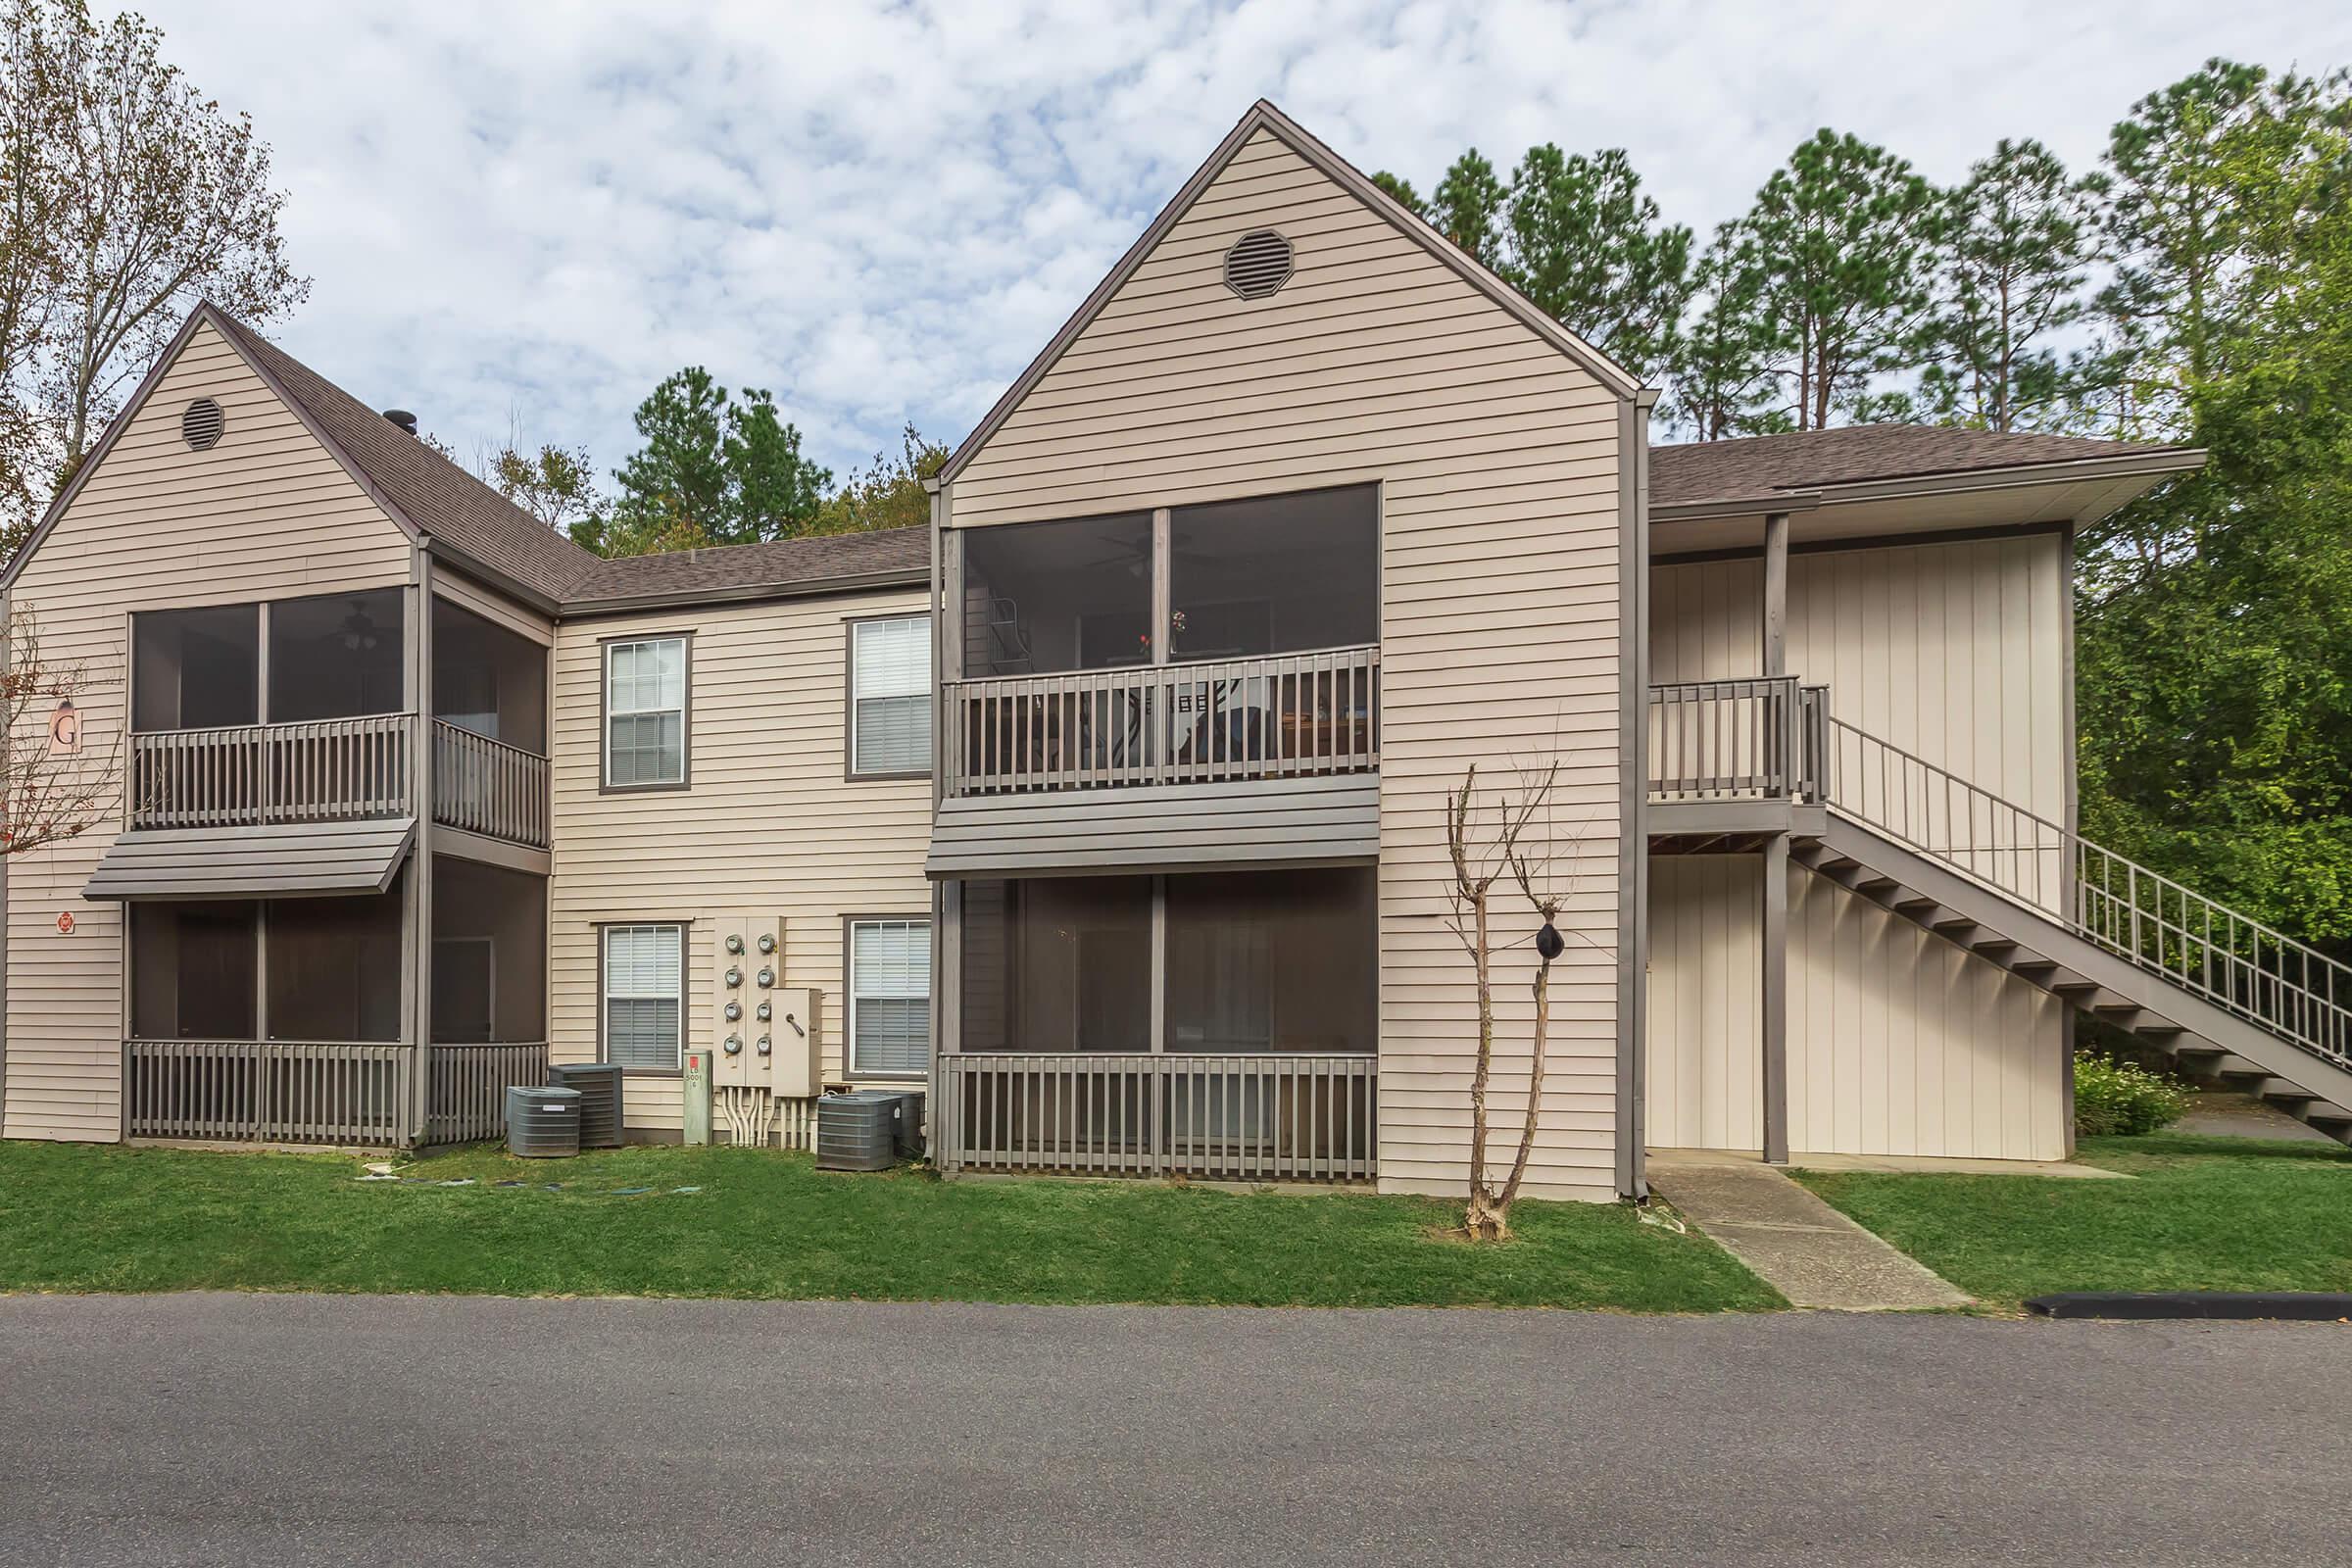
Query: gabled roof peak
point(1265, 115)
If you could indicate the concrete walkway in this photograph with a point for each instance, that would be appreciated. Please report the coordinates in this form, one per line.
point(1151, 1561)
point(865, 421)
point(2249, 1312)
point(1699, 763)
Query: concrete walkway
point(1794, 1242)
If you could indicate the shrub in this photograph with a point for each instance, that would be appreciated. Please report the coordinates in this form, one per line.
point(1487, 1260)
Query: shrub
point(2115, 1097)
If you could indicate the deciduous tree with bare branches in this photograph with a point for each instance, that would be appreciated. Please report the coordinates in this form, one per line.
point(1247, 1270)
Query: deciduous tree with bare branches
point(1485, 849)
point(53, 784)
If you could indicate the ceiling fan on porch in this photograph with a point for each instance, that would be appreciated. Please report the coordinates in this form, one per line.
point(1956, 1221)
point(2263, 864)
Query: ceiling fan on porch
point(358, 630)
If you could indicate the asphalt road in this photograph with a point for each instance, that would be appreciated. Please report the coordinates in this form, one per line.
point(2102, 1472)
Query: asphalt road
point(230, 1430)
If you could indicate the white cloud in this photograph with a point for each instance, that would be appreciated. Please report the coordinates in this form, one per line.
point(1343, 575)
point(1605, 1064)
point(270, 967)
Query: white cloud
point(881, 211)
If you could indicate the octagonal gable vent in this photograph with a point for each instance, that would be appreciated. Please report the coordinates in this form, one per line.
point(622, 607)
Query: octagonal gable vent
point(202, 423)
point(1259, 262)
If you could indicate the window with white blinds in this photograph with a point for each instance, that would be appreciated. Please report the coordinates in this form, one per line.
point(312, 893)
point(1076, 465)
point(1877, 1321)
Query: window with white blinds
point(645, 991)
point(890, 696)
point(645, 712)
point(890, 997)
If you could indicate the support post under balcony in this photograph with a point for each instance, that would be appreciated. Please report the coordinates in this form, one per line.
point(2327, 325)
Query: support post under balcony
point(1775, 988)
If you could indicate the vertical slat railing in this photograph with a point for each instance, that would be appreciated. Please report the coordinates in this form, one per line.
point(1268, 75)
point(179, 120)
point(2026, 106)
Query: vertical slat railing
point(2228, 958)
point(269, 1090)
point(488, 787)
point(245, 775)
point(1270, 1116)
point(1723, 740)
point(1282, 715)
point(465, 1087)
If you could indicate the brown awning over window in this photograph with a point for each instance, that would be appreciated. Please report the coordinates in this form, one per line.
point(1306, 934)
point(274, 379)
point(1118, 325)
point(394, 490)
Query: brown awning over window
point(1243, 825)
point(291, 860)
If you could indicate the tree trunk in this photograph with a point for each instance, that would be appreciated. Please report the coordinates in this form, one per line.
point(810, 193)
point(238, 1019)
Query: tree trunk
point(1484, 1065)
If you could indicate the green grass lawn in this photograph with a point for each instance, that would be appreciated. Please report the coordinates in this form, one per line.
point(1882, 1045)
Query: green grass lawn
point(2202, 1213)
point(765, 1224)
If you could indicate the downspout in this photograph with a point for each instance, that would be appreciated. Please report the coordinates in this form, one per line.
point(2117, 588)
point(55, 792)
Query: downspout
point(1772, 989)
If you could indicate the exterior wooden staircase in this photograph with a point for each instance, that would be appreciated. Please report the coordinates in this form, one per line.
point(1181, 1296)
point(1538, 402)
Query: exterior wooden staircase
point(2230, 1000)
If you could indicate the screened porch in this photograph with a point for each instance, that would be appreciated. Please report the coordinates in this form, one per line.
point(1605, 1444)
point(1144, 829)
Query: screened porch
point(1220, 1025)
point(293, 1019)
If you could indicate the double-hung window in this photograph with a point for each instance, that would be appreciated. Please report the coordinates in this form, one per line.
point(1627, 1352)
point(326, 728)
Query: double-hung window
point(644, 995)
point(890, 998)
point(645, 712)
point(890, 697)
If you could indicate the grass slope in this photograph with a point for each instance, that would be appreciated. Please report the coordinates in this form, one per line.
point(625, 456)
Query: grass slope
point(768, 1225)
point(2202, 1213)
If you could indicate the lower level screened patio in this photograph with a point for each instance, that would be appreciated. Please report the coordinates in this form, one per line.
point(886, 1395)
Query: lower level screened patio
point(292, 1020)
point(1220, 1025)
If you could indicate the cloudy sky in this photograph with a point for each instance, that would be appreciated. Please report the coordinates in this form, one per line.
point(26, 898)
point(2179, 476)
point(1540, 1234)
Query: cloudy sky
point(531, 211)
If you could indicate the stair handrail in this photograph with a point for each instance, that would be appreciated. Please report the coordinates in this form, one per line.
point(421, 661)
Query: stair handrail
point(2247, 967)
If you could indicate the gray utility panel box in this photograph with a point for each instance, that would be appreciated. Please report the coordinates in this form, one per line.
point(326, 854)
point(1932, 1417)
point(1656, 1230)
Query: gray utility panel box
point(542, 1122)
point(856, 1131)
point(600, 1086)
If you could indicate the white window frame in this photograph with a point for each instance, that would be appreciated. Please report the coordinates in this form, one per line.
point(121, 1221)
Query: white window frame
point(605, 995)
point(855, 994)
point(684, 710)
point(921, 688)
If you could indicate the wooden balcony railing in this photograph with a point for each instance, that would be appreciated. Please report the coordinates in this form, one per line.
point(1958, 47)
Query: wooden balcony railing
point(1260, 1117)
point(466, 1088)
point(1278, 717)
point(488, 787)
point(1719, 740)
point(334, 770)
point(320, 770)
point(268, 1091)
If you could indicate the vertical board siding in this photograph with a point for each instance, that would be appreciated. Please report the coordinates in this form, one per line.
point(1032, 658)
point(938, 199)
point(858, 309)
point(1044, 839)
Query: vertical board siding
point(267, 514)
point(1898, 1042)
point(1500, 464)
point(769, 824)
point(1706, 1037)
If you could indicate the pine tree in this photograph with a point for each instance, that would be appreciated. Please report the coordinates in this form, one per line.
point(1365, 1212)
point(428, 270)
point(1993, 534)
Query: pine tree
point(1837, 255)
point(2017, 242)
point(1587, 248)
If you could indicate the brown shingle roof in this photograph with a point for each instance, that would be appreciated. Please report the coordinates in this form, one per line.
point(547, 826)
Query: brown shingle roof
point(1756, 466)
point(784, 563)
point(428, 491)
point(463, 514)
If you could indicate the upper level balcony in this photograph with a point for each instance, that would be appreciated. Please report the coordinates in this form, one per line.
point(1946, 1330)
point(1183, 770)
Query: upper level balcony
point(301, 710)
point(1195, 645)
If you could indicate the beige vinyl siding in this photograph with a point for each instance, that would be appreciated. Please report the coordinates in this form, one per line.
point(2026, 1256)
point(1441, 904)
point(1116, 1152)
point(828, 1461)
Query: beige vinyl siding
point(1706, 1053)
point(1898, 1043)
point(1498, 459)
point(768, 825)
point(267, 514)
point(1901, 1043)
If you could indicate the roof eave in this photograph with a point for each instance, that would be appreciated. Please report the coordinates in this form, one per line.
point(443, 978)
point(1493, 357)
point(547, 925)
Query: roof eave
point(490, 576)
point(747, 593)
point(2152, 466)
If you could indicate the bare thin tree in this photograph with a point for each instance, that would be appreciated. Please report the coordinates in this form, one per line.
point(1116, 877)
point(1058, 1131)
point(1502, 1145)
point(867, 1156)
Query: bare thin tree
point(53, 786)
point(1485, 849)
